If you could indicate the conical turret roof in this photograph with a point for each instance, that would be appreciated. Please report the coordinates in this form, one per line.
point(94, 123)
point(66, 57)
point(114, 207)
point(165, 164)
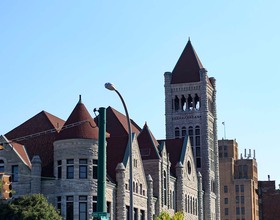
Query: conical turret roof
point(188, 66)
point(80, 124)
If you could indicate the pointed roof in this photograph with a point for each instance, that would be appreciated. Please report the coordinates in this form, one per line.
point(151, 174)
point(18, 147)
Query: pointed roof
point(116, 147)
point(116, 123)
point(79, 124)
point(148, 144)
point(41, 145)
point(174, 148)
point(187, 68)
point(21, 152)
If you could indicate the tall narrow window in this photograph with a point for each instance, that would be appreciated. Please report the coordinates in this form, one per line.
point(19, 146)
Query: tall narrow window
point(82, 207)
point(142, 215)
point(176, 103)
point(108, 204)
point(186, 203)
point(15, 173)
point(196, 102)
point(59, 169)
point(94, 169)
point(184, 131)
point(190, 102)
point(197, 136)
point(183, 103)
point(164, 188)
point(83, 168)
point(2, 166)
point(190, 132)
point(225, 189)
point(70, 169)
point(58, 204)
point(94, 203)
point(174, 200)
point(198, 149)
point(135, 212)
point(69, 208)
point(177, 132)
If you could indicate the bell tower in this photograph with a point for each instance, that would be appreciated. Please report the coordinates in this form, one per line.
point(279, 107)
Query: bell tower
point(190, 108)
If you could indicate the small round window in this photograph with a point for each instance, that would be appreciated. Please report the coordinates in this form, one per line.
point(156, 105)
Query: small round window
point(189, 167)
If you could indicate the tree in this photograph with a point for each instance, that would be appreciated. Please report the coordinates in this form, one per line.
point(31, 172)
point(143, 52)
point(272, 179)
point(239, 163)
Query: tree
point(29, 207)
point(166, 216)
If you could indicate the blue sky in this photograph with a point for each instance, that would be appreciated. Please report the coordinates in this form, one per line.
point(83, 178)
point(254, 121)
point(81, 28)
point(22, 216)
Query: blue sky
point(53, 51)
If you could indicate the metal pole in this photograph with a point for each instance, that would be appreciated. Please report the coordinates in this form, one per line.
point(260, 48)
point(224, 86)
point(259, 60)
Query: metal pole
point(101, 174)
point(130, 158)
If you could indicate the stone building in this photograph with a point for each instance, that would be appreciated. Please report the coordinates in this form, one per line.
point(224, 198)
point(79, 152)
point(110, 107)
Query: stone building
point(269, 200)
point(58, 158)
point(190, 109)
point(239, 183)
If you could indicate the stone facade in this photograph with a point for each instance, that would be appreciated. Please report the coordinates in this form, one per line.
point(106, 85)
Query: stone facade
point(178, 174)
point(190, 109)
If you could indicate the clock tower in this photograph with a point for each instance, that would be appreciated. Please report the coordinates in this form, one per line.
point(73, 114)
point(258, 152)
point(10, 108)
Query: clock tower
point(190, 108)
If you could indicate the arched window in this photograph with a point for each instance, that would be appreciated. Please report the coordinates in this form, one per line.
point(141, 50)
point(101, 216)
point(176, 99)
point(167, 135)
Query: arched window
point(191, 207)
point(184, 131)
point(190, 102)
point(183, 103)
point(136, 187)
point(164, 188)
point(188, 204)
point(133, 186)
point(196, 102)
point(177, 132)
point(176, 103)
point(193, 211)
point(141, 188)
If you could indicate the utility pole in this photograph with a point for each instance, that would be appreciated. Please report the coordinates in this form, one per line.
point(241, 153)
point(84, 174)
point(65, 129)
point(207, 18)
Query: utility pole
point(101, 213)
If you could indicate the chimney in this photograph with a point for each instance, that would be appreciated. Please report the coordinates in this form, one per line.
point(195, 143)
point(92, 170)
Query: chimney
point(268, 177)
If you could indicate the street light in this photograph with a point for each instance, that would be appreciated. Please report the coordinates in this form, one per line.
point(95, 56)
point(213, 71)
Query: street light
point(111, 87)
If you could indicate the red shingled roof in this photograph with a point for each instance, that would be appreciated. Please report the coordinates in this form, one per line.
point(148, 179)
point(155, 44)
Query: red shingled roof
point(20, 150)
point(187, 68)
point(79, 125)
point(116, 123)
point(41, 145)
point(148, 144)
point(174, 149)
point(116, 147)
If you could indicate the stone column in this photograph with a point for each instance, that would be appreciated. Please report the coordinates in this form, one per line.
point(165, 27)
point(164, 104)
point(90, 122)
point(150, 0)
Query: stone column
point(36, 174)
point(216, 151)
point(200, 196)
point(206, 152)
point(120, 197)
point(168, 105)
point(150, 205)
point(180, 200)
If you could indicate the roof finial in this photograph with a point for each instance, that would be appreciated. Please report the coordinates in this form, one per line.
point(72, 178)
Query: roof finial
point(189, 39)
point(80, 98)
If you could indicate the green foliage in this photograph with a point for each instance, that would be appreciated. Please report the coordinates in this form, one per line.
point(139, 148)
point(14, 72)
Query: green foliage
point(163, 216)
point(166, 216)
point(30, 207)
point(178, 216)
